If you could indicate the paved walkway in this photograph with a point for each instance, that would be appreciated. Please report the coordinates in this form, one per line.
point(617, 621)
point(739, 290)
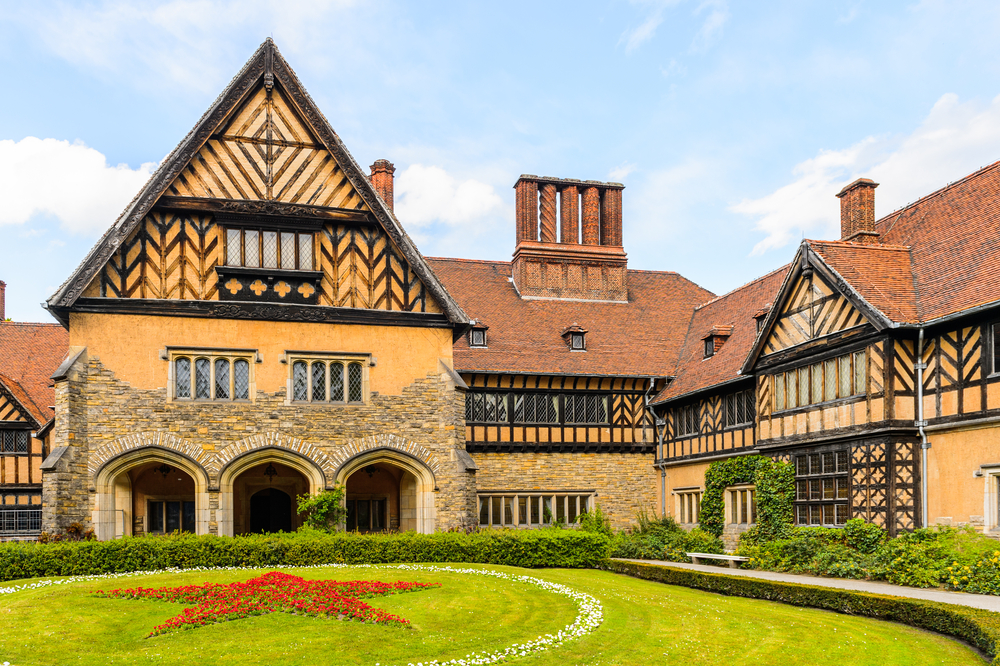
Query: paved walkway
point(983, 601)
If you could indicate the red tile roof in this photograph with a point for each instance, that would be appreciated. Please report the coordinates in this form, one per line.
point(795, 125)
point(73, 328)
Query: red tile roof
point(29, 354)
point(737, 309)
point(881, 274)
point(638, 338)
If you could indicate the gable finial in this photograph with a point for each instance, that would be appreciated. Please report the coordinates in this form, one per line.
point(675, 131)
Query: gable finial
point(269, 65)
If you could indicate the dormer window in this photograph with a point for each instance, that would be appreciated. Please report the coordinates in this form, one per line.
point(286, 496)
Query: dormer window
point(477, 336)
point(575, 337)
point(716, 338)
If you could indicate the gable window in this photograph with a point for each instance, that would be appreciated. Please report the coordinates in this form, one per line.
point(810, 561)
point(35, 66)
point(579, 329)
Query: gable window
point(740, 408)
point(213, 375)
point(327, 378)
point(845, 376)
point(260, 248)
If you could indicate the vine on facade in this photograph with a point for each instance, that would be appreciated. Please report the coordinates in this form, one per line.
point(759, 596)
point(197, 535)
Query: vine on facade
point(775, 489)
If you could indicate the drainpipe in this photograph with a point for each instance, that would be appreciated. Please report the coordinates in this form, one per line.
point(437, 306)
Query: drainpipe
point(924, 444)
point(657, 422)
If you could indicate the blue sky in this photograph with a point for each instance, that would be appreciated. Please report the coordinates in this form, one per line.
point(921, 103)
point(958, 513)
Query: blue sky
point(732, 124)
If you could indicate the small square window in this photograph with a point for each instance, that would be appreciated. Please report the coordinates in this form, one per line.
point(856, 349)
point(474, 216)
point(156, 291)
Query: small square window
point(576, 341)
point(477, 337)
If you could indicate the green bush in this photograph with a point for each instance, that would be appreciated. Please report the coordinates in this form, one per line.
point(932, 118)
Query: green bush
point(520, 548)
point(775, 484)
point(982, 576)
point(596, 521)
point(663, 539)
point(978, 627)
point(863, 537)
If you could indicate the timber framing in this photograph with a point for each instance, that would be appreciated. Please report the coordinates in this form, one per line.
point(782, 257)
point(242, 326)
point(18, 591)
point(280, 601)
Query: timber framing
point(265, 65)
point(266, 213)
point(262, 311)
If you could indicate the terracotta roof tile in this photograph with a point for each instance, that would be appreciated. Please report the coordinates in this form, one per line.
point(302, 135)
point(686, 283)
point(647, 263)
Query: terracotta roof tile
point(737, 309)
point(881, 274)
point(638, 338)
point(29, 354)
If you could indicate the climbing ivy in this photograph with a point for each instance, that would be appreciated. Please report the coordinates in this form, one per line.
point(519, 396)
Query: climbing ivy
point(775, 483)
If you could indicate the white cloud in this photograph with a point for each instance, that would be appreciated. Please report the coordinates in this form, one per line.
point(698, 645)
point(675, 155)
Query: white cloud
point(711, 28)
point(186, 43)
point(69, 181)
point(954, 140)
point(428, 194)
point(636, 37)
point(621, 172)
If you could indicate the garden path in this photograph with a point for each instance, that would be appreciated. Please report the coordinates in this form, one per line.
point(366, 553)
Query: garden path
point(983, 601)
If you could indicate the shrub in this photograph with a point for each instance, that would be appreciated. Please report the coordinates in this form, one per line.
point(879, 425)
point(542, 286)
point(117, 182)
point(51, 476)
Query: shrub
point(977, 627)
point(596, 521)
point(663, 539)
point(325, 511)
point(520, 548)
point(863, 537)
point(980, 577)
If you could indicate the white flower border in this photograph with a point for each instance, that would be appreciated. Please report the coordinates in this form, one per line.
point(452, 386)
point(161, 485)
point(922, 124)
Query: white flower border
point(589, 612)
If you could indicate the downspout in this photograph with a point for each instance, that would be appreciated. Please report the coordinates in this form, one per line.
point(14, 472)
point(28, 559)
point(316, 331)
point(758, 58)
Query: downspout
point(657, 422)
point(924, 444)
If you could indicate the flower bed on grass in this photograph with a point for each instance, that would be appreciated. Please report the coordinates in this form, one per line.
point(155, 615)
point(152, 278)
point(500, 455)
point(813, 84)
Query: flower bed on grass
point(274, 591)
point(589, 611)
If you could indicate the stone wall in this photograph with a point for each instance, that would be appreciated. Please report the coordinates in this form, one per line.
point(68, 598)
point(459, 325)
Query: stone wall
point(101, 417)
point(624, 483)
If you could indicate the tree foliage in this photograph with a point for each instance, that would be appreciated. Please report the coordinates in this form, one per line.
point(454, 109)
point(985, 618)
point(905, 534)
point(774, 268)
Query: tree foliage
point(325, 511)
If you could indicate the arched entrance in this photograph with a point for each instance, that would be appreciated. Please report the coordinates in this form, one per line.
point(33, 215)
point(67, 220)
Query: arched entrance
point(387, 489)
point(150, 491)
point(270, 511)
point(258, 491)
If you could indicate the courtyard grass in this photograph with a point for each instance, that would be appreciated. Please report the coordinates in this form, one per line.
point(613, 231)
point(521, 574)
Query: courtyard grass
point(644, 623)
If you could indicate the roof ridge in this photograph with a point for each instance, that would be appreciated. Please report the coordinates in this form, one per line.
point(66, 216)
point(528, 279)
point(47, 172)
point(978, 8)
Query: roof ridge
point(744, 286)
point(849, 244)
point(939, 191)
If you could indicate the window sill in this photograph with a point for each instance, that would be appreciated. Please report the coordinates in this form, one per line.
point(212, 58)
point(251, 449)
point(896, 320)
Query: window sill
point(819, 405)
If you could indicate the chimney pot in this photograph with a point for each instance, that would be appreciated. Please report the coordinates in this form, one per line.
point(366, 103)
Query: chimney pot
point(382, 180)
point(857, 212)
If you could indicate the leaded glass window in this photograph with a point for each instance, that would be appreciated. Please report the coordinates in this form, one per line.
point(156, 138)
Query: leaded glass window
point(255, 248)
point(586, 408)
point(300, 387)
point(241, 380)
point(234, 247)
point(535, 408)
point(251, 248)
point(860, 376)
point(269, 249)
point(305, 252)
point(354, 389)
point(202, 379)
point(288, 251)
point(337, 382)
point(221, 379)
point(842, 377)
point(822, 488)
point(13, 441)
point(319, 380)
point(182, 377)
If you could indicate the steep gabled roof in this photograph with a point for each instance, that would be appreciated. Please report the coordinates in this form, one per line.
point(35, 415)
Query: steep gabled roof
point(737, 309)
point(267, 66)
point(637, 338)
point(29, 354)
point(881, 274)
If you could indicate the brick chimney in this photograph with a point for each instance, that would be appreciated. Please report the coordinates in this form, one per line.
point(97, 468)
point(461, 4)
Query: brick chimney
point(381, 179)
point(586, 261)
point(3, 299)
point(857, 212)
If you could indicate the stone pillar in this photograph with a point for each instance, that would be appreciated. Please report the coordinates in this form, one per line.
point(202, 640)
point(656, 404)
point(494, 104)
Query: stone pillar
point(382, 180)
point(569, 212)
point(611, 217)
point(526, 209)
point(548, 213)
point(591, 216)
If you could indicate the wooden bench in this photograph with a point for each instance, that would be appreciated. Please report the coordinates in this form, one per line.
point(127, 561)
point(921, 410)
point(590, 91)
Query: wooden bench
point(732, 559)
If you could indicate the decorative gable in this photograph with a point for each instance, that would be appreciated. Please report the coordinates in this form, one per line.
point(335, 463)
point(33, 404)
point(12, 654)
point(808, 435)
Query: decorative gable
point(813, 309)
point(260, 212)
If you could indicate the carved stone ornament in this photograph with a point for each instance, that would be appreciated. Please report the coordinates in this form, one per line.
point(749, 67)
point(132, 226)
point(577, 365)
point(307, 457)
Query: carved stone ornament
point(270, 208)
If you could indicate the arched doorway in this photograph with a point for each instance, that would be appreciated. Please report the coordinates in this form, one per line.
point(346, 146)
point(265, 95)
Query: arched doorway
point(270, 511)
point(387, 490)
point(150, 490)
point(249, 475)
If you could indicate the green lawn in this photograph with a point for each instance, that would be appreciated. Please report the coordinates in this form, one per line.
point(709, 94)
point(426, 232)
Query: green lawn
point(644, 623)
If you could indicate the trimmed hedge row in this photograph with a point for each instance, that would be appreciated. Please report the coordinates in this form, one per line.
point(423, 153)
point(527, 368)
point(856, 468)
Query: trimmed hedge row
point(519, 548)
point(979, 628)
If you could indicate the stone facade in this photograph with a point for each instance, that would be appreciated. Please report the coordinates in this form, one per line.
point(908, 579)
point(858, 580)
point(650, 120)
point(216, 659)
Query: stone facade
point(102, 418)
point(624, 483)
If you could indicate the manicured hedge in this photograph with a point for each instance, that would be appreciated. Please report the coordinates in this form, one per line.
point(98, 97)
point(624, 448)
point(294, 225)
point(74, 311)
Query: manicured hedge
point(519, 548)
point(979, 628)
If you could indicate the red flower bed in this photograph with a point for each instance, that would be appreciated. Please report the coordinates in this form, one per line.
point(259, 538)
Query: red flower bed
point(274, 591)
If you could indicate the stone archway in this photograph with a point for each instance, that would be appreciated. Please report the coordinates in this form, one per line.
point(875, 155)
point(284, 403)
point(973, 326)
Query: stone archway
point(287, 463)
point(416, 485)
point(114, 510)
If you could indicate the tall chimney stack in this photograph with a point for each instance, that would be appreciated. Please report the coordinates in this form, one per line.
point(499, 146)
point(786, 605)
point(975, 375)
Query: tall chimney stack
point(857, 212)
point(3, 298)
point(569, 239)
point(382, 178)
